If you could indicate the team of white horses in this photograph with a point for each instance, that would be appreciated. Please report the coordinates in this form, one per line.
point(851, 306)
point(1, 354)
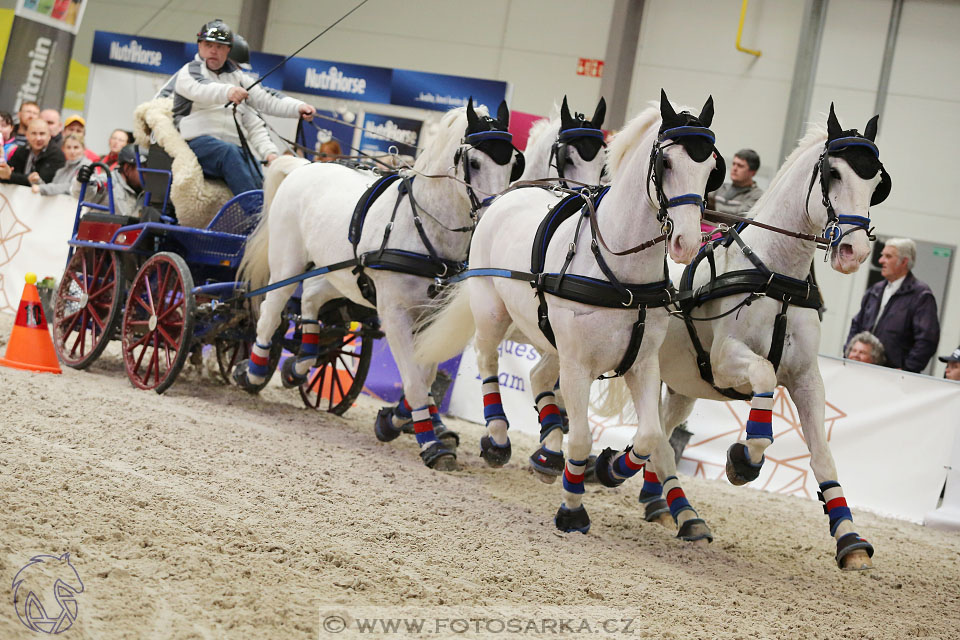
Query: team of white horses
point(601, 299)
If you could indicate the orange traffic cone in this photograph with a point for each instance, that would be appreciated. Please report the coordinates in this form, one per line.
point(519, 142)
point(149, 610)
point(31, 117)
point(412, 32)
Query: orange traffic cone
point(30, 346)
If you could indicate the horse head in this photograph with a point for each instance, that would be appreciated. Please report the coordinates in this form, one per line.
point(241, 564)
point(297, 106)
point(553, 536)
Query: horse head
point(851, 179)
point(576, 150)
point(486, 158)
point(684, 164)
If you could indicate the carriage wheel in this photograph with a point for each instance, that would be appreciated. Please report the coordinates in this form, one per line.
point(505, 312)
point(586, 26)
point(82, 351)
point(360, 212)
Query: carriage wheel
point(158, 322)
point(87, 306)
point(342, 368)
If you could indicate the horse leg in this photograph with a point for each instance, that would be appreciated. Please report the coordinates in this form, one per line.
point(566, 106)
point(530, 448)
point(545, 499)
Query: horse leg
point(294, 371)
point(394, 311)
point(251, 375)
point(448, 437)
point(492, 323)
point(735, 365)
point(575, 384)
point(547, 461)
point(674, 409)
point(853, 552)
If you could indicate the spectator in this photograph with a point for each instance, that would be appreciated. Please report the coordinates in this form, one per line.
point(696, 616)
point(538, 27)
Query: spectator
point(900, 310)
point(6, 136)
point(328, 151)
point(125, 178)
point(77, 125)
point(28, 111)
point(740, 194)
point(953, 365)
point(864, 347)
point(35, 163)
point(72, 149)
point(118, 140)
point(203, 86)
point(52, 118)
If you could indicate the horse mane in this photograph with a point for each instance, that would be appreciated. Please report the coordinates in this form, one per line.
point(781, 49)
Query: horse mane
point(816, 135)
point(539, 128)
point(629, 137)
point(437, 157)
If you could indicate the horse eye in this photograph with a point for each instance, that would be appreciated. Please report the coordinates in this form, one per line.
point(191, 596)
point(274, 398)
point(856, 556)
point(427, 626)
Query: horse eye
point(834, 174)
point(568, 161)
point(666, 163)
point(475, 164)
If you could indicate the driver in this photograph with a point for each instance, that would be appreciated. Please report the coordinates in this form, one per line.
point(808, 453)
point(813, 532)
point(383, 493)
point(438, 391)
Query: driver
point(203, 86)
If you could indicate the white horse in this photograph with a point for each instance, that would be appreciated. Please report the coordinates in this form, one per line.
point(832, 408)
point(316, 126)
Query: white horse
point(825, 187)
point(657, 155)
point(414, 232)
point(568, 147)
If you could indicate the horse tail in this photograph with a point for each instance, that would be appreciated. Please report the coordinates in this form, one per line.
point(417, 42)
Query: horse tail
point(446, 328)
point(613, 399)
point(255, 265)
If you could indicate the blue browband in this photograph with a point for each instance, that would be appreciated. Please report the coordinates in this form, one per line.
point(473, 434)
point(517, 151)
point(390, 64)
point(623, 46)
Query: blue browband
point(579, 132)
point(842, 143)
point(474, 138)
point(679, 132)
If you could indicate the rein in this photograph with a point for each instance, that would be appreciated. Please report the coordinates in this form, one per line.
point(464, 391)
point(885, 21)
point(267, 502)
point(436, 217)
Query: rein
point(717, 216)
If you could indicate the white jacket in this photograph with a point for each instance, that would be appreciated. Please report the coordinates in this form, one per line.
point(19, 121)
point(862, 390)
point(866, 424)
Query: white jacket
point(198, 105)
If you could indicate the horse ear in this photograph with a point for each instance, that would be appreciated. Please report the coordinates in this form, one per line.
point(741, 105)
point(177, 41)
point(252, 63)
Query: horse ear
point(472, 119)
point(870, 133)
point(599, 114)
point(666, 109)
point(503, 114)
point(565, 117)
point(834, 130)
point(706, 114)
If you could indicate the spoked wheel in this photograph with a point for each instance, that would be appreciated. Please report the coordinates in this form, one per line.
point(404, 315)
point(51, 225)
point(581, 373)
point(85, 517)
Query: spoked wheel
point(231, 351)
point(341, 369)
point(87, 306)
point(158, 322)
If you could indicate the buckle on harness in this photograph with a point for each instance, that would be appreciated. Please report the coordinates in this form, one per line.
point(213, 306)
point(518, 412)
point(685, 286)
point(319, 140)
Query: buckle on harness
point(629, 303)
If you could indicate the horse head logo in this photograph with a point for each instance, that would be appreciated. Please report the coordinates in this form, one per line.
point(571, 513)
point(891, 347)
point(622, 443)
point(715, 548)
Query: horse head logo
point(44, 593)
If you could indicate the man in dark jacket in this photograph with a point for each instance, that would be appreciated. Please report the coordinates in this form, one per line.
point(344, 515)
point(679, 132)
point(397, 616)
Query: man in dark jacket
point(900, 310)
point(39, 159)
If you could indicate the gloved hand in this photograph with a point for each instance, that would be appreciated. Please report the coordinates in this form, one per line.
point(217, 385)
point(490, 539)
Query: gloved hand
point(83, 176)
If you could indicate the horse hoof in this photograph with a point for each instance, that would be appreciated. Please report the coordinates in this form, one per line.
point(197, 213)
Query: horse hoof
point(854, 553)
point(547, 464)
point(604, 467)
point(384, 428)
point(656, 510)
point(740, 470)
point(289, 376)
point(570, 520)
point(448, 437)
point(695, 530)
point(495, 455)
point(241, 377)
point(439, 458)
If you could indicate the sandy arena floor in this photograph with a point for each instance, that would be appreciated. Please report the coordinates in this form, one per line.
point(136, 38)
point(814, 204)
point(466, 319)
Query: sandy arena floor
point(208, 513)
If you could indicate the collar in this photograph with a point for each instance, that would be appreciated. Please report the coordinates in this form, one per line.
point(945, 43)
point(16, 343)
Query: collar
point(896, 284)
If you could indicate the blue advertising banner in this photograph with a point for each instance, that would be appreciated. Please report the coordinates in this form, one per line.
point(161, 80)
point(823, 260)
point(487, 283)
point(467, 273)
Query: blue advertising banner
point(442, 93)
point(382, 132)
point(264, 62)
point(326, 130)
point(139, 53)
point(337, 80)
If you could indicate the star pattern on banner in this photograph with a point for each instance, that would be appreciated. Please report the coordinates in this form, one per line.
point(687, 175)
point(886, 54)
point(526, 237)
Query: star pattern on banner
point(12, 230)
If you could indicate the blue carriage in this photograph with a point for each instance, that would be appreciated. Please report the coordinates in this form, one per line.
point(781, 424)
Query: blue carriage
point(166, 292)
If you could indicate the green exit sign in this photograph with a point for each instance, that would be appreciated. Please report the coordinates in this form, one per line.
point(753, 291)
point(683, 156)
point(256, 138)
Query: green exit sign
point(942, 252)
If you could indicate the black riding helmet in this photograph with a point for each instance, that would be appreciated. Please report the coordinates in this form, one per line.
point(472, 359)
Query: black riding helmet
point(216, 31)
point(240, 51)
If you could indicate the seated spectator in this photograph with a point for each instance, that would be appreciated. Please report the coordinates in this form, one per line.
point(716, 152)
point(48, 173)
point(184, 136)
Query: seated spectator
point(900, 310)
point(118, 140)
point(864, 347)
point(72, 149)
point(126, 183)
point(77, 125)
point(7, 139)
point(28, 111)
point(328, 151)
point(953, 365)
point(740, 194)
point(35, 163)
point(52, 118)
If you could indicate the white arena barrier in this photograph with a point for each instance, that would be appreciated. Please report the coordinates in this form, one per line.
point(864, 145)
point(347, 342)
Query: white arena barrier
point(34, 230)
point(891, 433)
